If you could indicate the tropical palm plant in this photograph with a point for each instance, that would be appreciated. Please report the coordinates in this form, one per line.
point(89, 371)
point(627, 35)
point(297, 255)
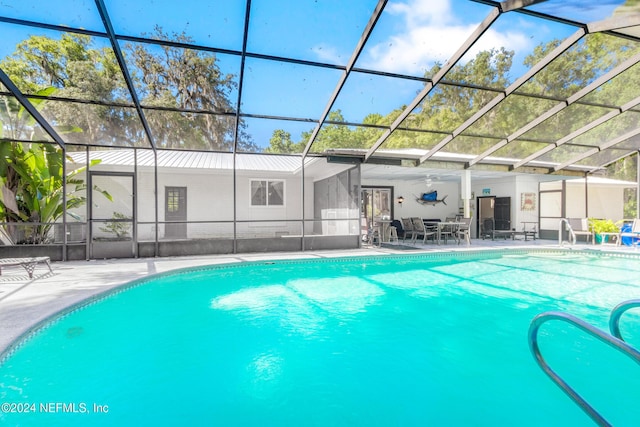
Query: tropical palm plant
point(32, 190)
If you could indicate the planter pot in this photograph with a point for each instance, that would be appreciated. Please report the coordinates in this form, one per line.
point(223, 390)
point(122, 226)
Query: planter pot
point(606, 238)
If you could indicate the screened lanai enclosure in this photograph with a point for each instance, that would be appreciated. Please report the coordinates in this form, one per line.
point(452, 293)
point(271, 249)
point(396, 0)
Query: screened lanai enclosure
point(134, 128)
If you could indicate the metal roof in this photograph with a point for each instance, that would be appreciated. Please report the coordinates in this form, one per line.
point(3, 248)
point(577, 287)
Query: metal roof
point(193, 160)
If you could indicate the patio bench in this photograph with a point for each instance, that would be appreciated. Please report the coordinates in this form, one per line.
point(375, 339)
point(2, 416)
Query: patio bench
point(525, 233)
point(29, 264)
point(505, 234)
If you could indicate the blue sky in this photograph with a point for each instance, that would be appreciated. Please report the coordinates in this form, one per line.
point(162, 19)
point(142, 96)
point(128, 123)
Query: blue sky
point(409, 38)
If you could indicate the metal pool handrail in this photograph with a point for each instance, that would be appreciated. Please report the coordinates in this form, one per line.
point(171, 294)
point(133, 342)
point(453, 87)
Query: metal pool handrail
point(617, 312)
point(572, 233)
point(597, 333)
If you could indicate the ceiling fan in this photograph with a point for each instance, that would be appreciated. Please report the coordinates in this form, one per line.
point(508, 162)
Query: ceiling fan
point(428, 180)
point(431, 180)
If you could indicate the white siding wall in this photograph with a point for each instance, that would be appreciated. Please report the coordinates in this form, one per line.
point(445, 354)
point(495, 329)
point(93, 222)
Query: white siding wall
point(524, 184)
point(210, 199)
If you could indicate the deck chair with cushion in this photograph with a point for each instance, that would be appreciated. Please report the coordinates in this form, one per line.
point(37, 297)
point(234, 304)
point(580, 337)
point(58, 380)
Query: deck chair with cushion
point(634, 233)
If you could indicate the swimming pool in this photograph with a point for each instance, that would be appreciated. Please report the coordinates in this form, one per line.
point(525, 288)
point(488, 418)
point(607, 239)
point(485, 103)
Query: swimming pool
point(394, 340)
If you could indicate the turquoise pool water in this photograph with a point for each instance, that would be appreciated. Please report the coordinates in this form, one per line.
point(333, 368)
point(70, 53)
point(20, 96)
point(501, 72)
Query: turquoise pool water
point(386, 341)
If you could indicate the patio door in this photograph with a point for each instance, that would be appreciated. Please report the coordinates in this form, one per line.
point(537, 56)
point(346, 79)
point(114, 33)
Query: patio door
point(496, 208)
point(376, 204)
point(112, 215)
point(175, 209)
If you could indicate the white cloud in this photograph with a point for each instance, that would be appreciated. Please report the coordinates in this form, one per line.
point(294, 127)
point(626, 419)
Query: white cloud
point(328, 54)
point(432, 33)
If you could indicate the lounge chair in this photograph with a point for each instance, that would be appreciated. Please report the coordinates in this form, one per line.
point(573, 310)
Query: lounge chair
point(488, 229)
point(633, 233)
point(28, 264)
point(580, 227)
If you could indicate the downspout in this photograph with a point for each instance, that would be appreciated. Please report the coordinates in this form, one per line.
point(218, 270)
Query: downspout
point(89, 196)
point(64, 203)
point(302, 246)
point(156, 251)
point(586, 195)
point(638, 184)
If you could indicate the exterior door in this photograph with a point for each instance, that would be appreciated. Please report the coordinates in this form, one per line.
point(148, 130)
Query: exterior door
point(486, 210)
point(376, 205)
point(112, 215)
point(503, 213)
point(496, 208)
point(175, 209)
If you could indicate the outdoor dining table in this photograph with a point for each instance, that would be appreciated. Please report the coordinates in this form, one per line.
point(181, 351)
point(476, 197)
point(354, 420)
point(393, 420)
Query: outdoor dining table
point(440, 225)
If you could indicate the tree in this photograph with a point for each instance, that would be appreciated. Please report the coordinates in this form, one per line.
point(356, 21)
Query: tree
point(188, 80)
point(281, 142)
point(449, 105)
point(75, 69)
point(169, 77)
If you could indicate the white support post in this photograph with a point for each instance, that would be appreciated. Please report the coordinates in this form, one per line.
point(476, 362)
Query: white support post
point(465, 193)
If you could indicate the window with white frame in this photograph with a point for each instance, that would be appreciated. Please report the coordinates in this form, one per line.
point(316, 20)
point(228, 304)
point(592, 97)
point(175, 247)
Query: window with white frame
point(267, 193)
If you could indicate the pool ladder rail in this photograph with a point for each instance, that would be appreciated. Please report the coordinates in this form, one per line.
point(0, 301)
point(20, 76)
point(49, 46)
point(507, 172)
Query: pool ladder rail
point(572, 234)
point(614, 340)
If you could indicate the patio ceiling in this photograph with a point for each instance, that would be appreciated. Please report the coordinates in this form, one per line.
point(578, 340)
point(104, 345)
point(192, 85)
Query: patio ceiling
point(545, 87)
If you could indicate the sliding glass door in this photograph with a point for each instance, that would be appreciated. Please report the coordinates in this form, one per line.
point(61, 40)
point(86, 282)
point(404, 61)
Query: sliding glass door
point(376, 205)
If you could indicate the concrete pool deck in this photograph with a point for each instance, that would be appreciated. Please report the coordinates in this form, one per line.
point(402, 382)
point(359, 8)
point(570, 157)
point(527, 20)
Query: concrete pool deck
point(25, 302)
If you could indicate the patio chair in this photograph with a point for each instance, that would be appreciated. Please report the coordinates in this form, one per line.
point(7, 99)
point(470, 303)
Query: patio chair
point(487, 228)
point(447, 231)
point(419, 229)
point(407, 226)
point(464, 230)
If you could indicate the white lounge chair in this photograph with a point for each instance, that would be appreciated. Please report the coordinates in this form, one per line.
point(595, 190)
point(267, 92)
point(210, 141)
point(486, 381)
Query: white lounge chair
point(29, 264)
